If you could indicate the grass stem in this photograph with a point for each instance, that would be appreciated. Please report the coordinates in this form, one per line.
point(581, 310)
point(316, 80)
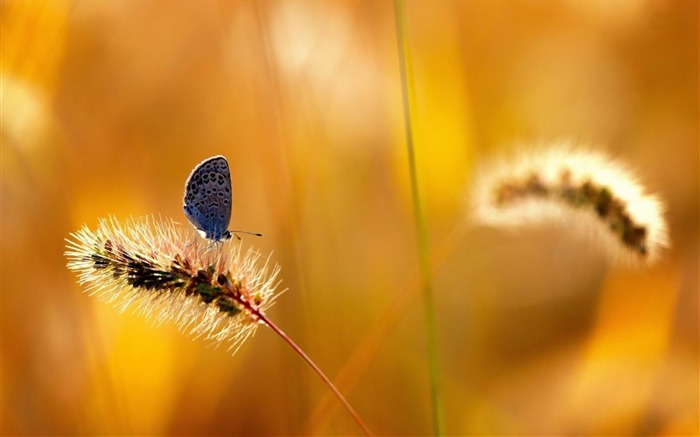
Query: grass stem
point(318, 371)
point(423, 257)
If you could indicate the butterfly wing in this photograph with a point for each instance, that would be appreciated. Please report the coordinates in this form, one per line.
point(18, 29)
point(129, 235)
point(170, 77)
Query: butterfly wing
point(207, 202)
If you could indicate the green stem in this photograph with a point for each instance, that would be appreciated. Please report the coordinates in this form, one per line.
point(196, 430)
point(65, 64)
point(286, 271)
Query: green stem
point(423, 257)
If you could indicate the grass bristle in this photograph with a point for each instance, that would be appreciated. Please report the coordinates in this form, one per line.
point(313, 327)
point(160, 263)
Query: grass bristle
point(168, 274)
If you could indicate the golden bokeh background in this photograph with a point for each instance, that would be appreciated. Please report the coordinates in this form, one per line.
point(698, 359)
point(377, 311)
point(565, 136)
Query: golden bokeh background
point(107, 106)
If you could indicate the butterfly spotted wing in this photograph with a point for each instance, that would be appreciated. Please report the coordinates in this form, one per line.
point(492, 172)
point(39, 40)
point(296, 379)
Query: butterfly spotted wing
point(207, 201)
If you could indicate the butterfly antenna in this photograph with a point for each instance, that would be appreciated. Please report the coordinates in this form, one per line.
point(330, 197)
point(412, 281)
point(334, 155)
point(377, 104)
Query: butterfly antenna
point(246, 232)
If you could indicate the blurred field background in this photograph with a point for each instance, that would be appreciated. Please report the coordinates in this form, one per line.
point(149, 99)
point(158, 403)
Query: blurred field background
point(107, 106)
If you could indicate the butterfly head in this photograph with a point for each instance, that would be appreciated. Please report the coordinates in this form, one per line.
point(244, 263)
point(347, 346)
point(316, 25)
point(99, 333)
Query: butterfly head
point(216, 235)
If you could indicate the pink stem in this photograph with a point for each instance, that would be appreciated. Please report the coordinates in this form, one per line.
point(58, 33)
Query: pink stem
point(316, 369)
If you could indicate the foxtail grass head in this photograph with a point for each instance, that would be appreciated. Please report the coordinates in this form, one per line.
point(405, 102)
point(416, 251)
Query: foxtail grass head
point(583, 190)
point(164, 273)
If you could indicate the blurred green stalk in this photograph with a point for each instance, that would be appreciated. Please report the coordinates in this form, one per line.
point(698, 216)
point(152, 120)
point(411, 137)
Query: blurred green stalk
point(423, 258)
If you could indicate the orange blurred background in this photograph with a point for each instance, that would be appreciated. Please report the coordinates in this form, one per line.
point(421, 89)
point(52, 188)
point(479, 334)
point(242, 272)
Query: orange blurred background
point(107, 106)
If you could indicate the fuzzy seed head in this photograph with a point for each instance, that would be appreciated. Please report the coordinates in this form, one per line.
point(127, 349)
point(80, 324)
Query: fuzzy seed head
point(166, 273)
point(581, 189)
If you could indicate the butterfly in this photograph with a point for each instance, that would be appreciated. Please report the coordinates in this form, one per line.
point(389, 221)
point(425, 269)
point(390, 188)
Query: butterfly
point(207, 201)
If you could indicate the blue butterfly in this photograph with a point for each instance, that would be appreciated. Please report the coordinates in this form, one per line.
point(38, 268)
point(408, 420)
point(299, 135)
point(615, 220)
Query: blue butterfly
point(207, 201)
